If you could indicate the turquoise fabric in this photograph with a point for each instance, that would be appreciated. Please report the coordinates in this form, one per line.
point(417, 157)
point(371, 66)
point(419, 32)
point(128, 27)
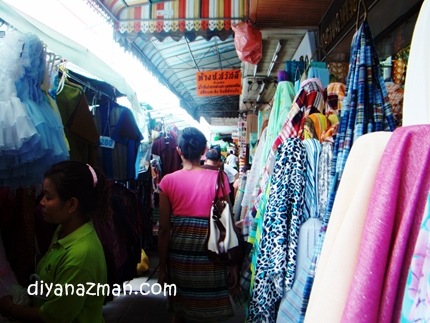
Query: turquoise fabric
point(282, 102)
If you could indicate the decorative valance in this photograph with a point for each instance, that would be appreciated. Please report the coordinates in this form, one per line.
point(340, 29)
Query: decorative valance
point(175, 19)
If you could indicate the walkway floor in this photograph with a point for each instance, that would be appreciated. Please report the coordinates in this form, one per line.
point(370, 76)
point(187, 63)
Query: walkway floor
point(149, 308)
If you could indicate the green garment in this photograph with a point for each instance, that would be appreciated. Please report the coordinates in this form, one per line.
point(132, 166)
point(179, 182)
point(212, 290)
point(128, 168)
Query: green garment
point(76, 259)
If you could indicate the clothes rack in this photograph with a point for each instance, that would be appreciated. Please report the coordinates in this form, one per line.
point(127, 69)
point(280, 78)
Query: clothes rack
point(87, 85)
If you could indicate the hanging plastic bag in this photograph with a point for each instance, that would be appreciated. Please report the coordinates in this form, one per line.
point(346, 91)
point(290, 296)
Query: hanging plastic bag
point(248, 42)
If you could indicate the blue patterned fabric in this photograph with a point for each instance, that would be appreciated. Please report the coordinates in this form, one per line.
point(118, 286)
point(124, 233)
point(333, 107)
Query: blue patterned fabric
point(366, 109)
point(416, 296)
point(324, 170)
point(291, 303)
point(311, 206)
point(276, 258)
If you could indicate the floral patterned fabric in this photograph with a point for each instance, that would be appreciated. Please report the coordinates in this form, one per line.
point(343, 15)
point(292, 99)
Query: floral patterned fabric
point(416, 301)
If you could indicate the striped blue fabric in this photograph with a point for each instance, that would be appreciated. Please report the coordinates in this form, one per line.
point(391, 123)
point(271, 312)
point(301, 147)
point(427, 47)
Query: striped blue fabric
point(366, 109)
point(311, 205)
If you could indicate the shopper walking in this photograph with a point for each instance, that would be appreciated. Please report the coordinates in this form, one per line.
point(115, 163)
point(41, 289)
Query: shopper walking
point(185, 201)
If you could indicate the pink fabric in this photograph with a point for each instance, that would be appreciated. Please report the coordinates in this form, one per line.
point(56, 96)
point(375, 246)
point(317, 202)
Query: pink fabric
point(391, 228)
point(191, 192)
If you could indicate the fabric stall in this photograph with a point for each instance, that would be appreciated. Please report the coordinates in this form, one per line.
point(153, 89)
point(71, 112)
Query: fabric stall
point(48, 114)
point(310, 193)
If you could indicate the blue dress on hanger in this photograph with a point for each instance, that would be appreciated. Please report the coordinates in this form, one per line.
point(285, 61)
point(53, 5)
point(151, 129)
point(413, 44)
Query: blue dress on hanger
point(30, 165)
point(17, 132)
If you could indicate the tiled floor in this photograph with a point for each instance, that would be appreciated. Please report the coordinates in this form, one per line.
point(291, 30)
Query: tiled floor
point(149, 308)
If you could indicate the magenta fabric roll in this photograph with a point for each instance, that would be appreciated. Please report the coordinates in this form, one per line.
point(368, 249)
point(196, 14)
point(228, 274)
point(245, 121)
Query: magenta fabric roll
point(391, 228)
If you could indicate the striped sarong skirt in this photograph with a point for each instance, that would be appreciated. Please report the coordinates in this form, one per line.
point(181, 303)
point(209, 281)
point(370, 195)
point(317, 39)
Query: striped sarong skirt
point(202, 292)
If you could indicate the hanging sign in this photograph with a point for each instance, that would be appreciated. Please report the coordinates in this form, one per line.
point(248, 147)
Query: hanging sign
point(218, 83)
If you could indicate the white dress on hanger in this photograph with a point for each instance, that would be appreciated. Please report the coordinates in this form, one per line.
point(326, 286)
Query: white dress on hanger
point(17, 132)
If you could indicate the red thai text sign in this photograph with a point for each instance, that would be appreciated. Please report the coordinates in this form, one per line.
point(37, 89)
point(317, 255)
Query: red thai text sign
point(217, 83)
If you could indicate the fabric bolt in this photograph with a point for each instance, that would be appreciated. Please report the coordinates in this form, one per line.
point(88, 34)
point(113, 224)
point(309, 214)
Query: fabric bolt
point(255, 235)
point(297, 86)
point(290, 306)
point(415, 307)
point(294, 69)
point(255, 169)
point(282, 101)
point(311, 198)
point(309, 100)
point(283, 76)
point(263, 121)
point(320, 73)
point(237, 207)
point(342, 242)
point(365, 88)
point(315, 126)
point(276, 260)
point(395, 95)
point(202, 293)
point(294, 304)
point(415, 104)
point(399, 71)
point(334, 94)
point(392, 224)
point(339, 70)
point(324, 170)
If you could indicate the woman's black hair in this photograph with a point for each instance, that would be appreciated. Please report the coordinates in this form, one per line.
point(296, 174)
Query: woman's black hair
point(192, 143)
point(75, 179)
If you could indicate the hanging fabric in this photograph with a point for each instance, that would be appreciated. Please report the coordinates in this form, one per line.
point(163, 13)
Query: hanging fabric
point(279, 234)
point(338, 70)
point(416, 105)
point(365, 109)
point(416, 297)
point(392, 224)
point(282, 101)
point(294, 69)
point(341, 245)
point(116, 124)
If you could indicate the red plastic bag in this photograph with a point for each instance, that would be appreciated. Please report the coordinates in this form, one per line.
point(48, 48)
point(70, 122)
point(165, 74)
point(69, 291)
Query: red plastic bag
point(248, 42)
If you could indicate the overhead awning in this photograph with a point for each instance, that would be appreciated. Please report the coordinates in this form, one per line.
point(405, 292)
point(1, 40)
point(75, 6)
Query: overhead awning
point(177, 39)
point(68, 49)
point(175, 19)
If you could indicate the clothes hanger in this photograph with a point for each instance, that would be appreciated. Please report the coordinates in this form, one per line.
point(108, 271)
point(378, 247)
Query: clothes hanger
point(360, 2)
point(63, 78)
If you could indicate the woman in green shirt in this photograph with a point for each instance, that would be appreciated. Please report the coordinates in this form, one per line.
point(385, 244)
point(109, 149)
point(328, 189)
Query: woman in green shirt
point(74, 267)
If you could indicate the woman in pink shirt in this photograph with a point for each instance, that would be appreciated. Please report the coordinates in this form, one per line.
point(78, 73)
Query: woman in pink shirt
point(185, 204)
